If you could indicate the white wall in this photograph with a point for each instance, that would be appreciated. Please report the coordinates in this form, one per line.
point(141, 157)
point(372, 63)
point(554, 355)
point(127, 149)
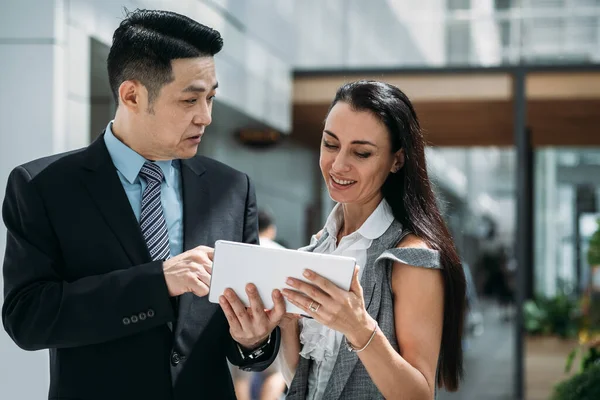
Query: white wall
point(354, 33)
point(425, 22)
point(32, 101)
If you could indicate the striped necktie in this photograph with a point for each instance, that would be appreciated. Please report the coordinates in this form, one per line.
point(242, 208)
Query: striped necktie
point(152, 219)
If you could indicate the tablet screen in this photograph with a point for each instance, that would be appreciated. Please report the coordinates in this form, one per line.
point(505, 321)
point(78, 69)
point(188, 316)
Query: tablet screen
point(237, 264)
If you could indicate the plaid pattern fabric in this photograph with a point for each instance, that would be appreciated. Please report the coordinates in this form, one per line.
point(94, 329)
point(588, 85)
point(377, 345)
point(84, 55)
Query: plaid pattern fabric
point(350, 379)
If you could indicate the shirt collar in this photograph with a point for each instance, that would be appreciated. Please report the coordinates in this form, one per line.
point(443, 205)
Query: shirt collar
point(378, 222)
point(375, 226)
point(129, 163)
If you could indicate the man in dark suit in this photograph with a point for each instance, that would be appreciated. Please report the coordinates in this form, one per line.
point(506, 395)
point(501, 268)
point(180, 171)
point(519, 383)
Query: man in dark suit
point(108, 255)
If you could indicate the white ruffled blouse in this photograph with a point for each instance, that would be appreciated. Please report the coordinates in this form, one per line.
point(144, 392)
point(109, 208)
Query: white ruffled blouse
point(318, 342)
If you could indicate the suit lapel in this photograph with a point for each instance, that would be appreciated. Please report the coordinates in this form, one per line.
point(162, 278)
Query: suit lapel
point(102, 181)
point(196, 204)
point(196, 208)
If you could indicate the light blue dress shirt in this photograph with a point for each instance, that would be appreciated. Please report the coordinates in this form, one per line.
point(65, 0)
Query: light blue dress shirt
point(128, 164)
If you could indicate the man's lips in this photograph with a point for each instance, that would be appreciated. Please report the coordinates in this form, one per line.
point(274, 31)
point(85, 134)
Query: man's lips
point(195, 138)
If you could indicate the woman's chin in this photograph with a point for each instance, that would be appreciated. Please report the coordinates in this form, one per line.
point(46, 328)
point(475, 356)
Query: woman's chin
point(339, 198)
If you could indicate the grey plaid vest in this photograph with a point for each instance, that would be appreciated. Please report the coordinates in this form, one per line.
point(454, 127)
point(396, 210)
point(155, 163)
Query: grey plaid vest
point(349, 379)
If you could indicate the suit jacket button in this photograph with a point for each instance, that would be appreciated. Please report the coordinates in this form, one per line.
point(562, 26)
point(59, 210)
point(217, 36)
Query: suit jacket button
point(175, 358)
point(126, 321)
point(134, 318)
point(150, 313)
point(142, 316)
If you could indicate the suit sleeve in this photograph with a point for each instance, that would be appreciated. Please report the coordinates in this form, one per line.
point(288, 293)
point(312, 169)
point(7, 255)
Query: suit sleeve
point(41, 310)
point(251, 236)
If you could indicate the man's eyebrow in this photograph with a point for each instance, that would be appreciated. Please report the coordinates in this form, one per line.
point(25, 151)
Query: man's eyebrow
point(195, 88)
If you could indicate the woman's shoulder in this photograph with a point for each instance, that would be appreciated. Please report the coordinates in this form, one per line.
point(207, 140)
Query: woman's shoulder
point(412, 250)
point(413, 241)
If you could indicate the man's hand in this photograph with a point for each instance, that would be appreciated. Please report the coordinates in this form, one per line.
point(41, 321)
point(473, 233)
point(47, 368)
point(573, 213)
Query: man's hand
point(189, 272)
point(251, 326)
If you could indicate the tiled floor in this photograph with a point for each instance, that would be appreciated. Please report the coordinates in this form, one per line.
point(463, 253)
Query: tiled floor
point(545, 365)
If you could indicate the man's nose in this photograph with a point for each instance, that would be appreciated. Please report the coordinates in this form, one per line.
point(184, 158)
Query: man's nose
point(203, 116)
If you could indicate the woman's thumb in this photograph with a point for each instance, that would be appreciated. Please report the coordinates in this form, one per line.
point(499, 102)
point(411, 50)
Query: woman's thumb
point(355, 285)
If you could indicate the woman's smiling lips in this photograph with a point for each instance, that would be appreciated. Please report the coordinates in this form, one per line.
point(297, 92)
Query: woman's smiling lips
point(341, 184)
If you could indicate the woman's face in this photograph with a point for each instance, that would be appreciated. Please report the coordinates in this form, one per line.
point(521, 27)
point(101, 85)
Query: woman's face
point(356, 155)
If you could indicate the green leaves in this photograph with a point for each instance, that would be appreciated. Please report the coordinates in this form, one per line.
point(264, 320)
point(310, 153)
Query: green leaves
point(593, 255)
point(583, 386)
point(551, 316)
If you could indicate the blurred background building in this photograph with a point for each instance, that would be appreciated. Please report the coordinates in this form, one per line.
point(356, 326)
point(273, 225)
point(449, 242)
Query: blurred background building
point(282, 60)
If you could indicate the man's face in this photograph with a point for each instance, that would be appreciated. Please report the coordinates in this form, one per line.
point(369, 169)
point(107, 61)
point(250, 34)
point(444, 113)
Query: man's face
point(173, 125)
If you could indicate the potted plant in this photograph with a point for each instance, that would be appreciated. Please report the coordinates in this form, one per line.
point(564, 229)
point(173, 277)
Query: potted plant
point(593, 256)
point(551, 316)
point(585, 385)
point(590, 328)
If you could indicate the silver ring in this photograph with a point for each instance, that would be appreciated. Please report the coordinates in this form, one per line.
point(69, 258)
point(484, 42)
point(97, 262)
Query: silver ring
point(312, 307)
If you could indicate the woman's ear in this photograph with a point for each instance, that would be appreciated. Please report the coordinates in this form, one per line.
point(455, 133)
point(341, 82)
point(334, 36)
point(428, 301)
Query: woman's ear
point(398, 161)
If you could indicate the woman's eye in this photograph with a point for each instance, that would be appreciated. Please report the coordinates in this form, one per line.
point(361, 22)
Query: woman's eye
point(329, 145)
point(363, 155)
point(191, 101)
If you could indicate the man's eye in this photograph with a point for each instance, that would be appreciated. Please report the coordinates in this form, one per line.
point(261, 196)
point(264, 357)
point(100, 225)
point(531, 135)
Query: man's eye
point(191, 101)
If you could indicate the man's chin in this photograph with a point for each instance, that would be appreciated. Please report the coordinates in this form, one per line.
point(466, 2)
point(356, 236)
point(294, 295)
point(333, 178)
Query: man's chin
point(189, 152)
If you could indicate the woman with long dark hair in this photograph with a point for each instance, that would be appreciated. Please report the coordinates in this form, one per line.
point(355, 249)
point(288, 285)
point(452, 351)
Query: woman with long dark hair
point(397, 332)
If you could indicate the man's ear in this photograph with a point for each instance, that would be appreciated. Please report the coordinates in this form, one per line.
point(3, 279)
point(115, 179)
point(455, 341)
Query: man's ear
point(131, 95)
point(398, 161)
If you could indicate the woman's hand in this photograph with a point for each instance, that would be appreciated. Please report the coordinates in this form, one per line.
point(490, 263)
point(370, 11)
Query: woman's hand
point(343, 311)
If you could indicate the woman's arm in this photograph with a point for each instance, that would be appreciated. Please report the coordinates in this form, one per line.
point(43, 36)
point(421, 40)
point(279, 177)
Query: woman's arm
point(418, 318)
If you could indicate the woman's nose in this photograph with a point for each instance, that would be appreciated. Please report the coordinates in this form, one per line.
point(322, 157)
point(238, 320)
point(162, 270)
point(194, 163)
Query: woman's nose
point(340, 164)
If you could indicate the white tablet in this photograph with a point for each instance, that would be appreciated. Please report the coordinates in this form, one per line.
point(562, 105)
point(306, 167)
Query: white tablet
point(237, 264)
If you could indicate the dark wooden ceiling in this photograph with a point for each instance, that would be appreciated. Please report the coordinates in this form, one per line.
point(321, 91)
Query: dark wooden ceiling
point(471, 108)
point(556, 122)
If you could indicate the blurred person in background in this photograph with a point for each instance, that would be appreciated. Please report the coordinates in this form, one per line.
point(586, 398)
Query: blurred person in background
point(396, 334)
point(267, 230)
point(498, 284)
point(268, 384)
point(107, 263)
